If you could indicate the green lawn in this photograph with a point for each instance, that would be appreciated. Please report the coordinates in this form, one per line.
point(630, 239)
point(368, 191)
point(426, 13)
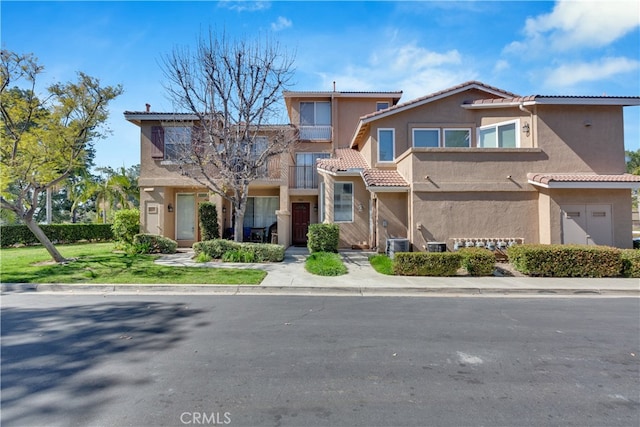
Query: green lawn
point(325, 264)
point(97, 263)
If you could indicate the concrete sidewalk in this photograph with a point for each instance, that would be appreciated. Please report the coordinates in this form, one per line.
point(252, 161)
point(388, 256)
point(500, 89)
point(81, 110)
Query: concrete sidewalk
point(290, 277)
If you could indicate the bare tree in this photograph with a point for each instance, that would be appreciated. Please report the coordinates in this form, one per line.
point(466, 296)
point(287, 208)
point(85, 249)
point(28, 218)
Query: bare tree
point(233, 87)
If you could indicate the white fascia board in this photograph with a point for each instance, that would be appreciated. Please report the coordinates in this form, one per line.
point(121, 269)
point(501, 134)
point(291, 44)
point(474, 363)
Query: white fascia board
point(161, 117)
point(588, 185)
point(374, 189)
point(350, 172)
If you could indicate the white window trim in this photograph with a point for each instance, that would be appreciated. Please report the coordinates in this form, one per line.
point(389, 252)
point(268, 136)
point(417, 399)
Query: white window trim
point(444, 132)
point(496, 126)
point(382, 102)
point(393, 145)
point(353, 202)
point(413, 137)
point(315, 112)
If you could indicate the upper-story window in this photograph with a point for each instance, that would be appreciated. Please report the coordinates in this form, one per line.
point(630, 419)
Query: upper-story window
point(426, 138)
point(454, 138)
point(382, 105)
point(177, 142)
point(315, 113)
point(315, 120)
point(500, 135)
point(386, 145)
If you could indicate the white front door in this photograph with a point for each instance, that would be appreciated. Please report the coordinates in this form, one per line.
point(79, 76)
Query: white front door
point(185, 216)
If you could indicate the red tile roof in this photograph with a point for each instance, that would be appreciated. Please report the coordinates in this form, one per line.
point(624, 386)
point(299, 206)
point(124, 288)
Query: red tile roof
point(347, 159)
point(546, 178)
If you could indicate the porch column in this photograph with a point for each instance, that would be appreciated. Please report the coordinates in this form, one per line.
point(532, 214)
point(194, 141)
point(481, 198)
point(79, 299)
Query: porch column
point(284, 218)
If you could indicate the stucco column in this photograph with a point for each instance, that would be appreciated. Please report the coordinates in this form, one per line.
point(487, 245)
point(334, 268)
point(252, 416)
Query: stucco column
point(284, 218)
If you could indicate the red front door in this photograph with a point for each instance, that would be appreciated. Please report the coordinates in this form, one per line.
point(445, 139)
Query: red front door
point(300, 220)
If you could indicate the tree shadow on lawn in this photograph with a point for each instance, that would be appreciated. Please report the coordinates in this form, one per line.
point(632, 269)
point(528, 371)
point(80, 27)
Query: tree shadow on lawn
point(51, 358)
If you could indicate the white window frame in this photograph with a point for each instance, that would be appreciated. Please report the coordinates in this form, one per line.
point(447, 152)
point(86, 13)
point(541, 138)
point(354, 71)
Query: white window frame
point(352, 201)
point(315, 113)
point(496, 126)
point(393, 145)
point(444, 137)
point(413, 136)
point(379, 105)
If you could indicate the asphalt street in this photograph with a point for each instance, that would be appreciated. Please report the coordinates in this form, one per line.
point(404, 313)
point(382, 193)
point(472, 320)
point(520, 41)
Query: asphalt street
point(175, 360)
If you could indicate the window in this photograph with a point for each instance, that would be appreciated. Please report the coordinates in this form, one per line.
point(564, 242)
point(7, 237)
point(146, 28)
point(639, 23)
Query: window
point(457, 138)
point(306, 173)
point(315, 113)
point(261, 211)
point(177, 142)
point(343, 202)
point(386, 145)
point(426, 138)
point(501, 135)
point(381, 105)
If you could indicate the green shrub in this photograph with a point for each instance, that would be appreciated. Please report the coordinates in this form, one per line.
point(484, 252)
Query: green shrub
point(426, 263)
point(478, 261)
point(323, 237)
point(202, 257)
point(566, 260)
point(325, 264)
point(155, 244)
point(262, 252)
point(239, 255)
point(630, 262)
point(382, 264)
point(209, 221)
point(126, 224)
point(58, 233)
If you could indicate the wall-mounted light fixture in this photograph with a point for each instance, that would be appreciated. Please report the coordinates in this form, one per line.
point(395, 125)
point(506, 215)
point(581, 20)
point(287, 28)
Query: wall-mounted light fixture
point(224, 209)
point(170, 207)
point(360, 207)
point(526, 128)
point(315, 207)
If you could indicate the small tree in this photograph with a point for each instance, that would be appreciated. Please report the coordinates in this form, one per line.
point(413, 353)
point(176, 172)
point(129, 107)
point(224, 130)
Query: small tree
point(209, 221)
point(126, 224)
point(43, 140)
point(233, 88)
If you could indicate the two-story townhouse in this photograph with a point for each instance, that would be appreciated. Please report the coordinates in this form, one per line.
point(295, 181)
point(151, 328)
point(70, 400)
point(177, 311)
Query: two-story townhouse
point(477, 163)
point(282, 203)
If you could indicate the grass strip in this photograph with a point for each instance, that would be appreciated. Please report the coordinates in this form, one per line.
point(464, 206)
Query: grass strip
point(98, 263)
point(382, 264)
point(325, 264)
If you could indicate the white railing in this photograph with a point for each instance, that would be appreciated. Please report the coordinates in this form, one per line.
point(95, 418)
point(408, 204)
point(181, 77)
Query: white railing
point(315, 133)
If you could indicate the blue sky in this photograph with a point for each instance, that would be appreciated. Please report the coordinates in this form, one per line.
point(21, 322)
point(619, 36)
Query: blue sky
point(526, 47)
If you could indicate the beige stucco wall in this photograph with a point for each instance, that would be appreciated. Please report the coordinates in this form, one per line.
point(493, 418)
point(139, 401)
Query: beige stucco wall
point(445, 216)
point(620, 201)
point(355, 232)
point(392, 208)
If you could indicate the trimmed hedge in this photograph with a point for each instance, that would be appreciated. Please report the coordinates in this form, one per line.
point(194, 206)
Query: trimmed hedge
point(155, 244)
point(126, 224)
point(323, 237)
point(209, 226)
point(58, 233)
point(566, 260)
point(478, 261)
point(630, 262)
point(426, 263)
point(262, 252)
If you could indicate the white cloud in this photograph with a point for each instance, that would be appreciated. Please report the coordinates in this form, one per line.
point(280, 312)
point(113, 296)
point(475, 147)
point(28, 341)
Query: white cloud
point(245, 6)
point(415, 70)
point(571, 74)
point(501, 65)
point(578, 23)
point(281, 24)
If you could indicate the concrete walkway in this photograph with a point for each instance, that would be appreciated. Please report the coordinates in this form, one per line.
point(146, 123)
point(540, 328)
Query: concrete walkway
point(290, 277)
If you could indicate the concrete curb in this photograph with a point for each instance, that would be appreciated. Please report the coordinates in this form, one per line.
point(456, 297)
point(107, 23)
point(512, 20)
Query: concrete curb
point(314, 290)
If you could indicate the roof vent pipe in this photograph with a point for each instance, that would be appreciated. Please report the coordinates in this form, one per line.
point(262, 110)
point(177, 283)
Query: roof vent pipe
point(334, 85)
point(148, 107)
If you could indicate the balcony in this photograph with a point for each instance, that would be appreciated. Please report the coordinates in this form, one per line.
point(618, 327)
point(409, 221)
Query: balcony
point(305, 177)
point(271, 170)
point(315, 133)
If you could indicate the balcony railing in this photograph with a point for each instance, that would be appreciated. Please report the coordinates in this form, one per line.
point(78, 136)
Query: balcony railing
point(271, 170)
point(315, 133)
point(303, 177)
